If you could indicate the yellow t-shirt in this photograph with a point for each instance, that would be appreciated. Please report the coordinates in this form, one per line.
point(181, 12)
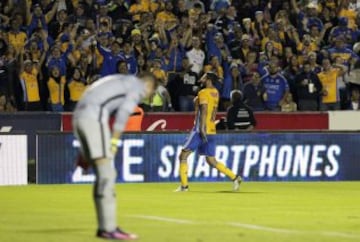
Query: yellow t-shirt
point(219, 70)
point(76, 90)
point(277, 45)
point(76, 54)
point(56, 90)
point(17, 39)
point(30, 86)
point(159, 74)
point(344, 56)
point(165, 17)
point(137, 8)
point(209, 97)
point(35, 55)
point(329, 82)
point(350, 15)
point(311, 48)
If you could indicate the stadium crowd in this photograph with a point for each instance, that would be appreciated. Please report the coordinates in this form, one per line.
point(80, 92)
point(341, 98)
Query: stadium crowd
point(284, 55)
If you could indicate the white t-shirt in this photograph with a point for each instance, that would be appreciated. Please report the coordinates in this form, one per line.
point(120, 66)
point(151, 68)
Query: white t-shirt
point(196, 59)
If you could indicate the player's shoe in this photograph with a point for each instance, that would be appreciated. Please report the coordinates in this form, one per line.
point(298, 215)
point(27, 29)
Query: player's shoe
point(182, 189)
point(118, 234)
point(237, 182)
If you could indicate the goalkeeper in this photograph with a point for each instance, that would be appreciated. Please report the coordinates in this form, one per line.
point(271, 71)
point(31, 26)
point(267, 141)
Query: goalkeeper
point(116, 95)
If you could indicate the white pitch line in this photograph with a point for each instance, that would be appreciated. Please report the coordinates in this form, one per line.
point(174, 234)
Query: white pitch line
point(264, 228)
point(252, 227)
point(164, 219)
point(293, 231)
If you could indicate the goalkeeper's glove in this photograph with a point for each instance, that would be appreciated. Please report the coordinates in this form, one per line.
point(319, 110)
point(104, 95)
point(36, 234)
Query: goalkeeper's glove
point(114, 145)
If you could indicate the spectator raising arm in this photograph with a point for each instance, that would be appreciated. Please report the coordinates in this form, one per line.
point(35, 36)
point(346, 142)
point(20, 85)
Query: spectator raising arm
point(295, 6)
point(51, 14)
point(327, 26)
point(28, 12)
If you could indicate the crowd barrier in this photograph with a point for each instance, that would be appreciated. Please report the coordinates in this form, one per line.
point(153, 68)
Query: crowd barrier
point(153, 157)
point(30, 123)
point(265, 121)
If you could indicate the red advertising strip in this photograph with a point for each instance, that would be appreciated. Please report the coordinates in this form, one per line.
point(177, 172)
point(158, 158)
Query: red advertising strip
point(292, 121)
point(265, 121)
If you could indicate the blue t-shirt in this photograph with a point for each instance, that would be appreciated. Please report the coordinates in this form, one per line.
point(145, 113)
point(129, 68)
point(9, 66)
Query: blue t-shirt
point(275, 86)
point(131, 63)
point(312, 21)
point(345, 32)
point(212, 48)
point(175, 59)
point(109, 65)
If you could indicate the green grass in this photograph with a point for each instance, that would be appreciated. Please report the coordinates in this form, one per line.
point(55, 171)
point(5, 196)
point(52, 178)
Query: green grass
point(263, 211)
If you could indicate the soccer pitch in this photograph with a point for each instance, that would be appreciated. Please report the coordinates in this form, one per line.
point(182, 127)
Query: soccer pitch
point(313, 211)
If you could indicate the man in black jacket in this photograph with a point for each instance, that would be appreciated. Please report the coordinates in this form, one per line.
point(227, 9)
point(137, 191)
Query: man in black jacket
point(308, 88)
point(239, 115)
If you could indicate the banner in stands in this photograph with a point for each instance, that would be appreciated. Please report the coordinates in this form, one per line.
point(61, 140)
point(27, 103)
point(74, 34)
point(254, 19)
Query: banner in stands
point(13, 160)
point(256, 156)
point(30, 123)
point(265, 121)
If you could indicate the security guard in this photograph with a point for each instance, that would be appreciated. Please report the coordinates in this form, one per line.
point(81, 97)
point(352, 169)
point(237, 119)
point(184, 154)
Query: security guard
point(239, 115)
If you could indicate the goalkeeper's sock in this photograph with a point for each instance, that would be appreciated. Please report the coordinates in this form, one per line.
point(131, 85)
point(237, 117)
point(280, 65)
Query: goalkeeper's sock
point(184, 173)
point(223, 169)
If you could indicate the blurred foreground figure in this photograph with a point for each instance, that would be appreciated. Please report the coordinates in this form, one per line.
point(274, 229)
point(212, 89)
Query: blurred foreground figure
point(116, 95)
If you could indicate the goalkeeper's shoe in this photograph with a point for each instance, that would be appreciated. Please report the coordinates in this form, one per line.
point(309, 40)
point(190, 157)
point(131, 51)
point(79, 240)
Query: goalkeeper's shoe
point(118, 234)
point(237, 182)
point(182, 189)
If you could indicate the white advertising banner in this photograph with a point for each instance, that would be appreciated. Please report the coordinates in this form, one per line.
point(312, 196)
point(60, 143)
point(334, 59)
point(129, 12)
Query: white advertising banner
point(13, 160)
point(344, 120)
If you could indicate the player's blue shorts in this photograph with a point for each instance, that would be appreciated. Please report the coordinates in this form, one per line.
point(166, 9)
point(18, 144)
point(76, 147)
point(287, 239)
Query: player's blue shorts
point(194, 142)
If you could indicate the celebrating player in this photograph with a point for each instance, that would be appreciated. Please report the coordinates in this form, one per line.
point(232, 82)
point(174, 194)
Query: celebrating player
point(202, 137)
point(113, 94)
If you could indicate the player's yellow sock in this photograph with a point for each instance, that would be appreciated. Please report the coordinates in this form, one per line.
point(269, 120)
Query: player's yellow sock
point(184, 174)
point(223, 169)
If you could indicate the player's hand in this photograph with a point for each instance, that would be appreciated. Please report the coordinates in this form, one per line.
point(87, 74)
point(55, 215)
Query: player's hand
point(203, 136)
point(114, 145)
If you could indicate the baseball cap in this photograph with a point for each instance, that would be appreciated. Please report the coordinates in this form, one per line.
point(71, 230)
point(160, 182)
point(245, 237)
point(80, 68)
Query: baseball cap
point(246, 20)
point(245, 37)
point(312, 5)
point(27, 62)
point(135, 32)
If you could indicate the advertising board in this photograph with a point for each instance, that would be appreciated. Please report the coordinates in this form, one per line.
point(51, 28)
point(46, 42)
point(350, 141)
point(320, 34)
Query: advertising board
point(153, 157)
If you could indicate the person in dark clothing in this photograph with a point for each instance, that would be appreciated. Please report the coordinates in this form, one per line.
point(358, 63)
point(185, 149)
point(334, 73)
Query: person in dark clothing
point(187, 87)
point(239, 115)
point(255, 93)
point(308, 88)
